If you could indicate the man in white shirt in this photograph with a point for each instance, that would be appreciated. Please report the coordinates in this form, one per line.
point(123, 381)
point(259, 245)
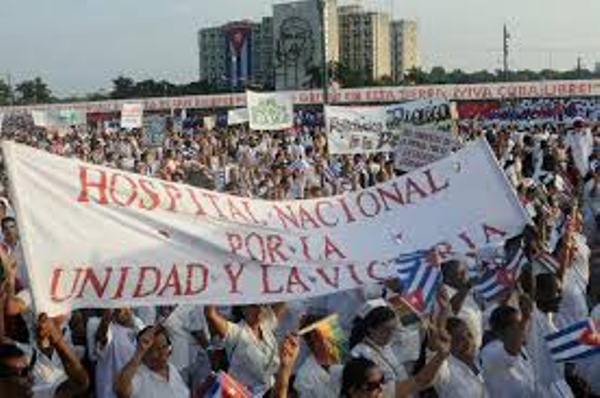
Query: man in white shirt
point(550, 376)
point(463, 304)
point(115, 345)
point(461, 375)
point(507, 369)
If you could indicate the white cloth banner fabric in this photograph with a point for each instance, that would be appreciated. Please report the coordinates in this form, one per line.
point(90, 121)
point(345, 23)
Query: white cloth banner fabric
point(209, 122)
point(132, 116)
point(353, 130)
point(419, 146)
point(99, 237)
point(270, 111)
point(59, 118)
point(237, 116)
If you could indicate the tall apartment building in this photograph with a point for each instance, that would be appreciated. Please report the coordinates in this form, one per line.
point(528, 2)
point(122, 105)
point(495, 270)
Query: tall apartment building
point(237, 53)
point(298, 29)
point(404, 48)
point(365, 41)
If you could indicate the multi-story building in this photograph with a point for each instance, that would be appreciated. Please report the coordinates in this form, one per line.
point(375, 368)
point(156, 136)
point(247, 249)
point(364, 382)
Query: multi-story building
point(597, 67)
point(404, 48)
point(237, 54)
point(299, 28)
point(365, 41)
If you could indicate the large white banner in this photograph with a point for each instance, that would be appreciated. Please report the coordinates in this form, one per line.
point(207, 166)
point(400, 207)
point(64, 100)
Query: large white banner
point(270, 111)
point(132, 116)
point(237, 116)
point(353, 130)
point(99, 237)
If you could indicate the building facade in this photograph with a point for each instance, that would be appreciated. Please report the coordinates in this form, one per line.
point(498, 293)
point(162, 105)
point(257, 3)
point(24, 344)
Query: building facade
point(365, 41)
point(237, 54)
point(404, 48)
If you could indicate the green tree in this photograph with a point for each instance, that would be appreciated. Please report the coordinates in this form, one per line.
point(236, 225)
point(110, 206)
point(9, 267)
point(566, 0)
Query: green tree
point(5, 93)
point(123, 87)
point(34, 91)
point(438, 75)
point(416, 76)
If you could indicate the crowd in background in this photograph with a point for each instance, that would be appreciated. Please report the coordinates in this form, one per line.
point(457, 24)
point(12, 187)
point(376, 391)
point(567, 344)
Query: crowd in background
point(469, 347)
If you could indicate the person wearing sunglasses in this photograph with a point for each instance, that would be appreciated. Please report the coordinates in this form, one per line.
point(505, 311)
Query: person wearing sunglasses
point(16, 368)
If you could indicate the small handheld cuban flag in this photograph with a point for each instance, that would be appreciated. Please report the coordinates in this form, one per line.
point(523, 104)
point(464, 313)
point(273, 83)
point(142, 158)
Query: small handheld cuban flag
point(576, 341)
point(496, 280)
point(548, 261)
point(421, 277)
point(226, 386)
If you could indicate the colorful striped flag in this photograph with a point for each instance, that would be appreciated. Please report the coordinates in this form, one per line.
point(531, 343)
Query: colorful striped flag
point(226, 386)
point(576, 341)
point(497, 279)
point(332, 335)
point(421, 277)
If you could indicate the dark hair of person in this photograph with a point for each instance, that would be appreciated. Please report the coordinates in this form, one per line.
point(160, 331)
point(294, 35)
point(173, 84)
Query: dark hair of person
point(308, 320)
point(501, 318)
point(354, 374)
point(6, 220)
point(9, 351)
point(453, 323)
point(374, 318)
point(159, 330)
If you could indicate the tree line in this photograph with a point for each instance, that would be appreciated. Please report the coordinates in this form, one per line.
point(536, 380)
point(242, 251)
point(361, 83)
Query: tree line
point(36, 91)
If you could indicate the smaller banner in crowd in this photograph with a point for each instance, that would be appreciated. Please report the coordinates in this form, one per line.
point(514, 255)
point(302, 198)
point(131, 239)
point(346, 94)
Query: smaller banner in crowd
point(237, 116)
point(270, 111)
point(99, 237)
point(155, 128)
point(418, 146)
point(57, 118)
point(132, 116)
point(353, 130)
point(209, 122)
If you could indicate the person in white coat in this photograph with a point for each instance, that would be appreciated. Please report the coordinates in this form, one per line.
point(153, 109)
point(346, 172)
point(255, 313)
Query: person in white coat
point(461, 375)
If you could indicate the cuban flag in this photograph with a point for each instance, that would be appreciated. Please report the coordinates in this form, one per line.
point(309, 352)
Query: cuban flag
point(421, 277)
point(576, 341)
point(548, 261)
point(226, 386)
point(499, 278)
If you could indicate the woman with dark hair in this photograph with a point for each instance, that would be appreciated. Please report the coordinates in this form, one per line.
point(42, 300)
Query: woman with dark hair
point(149, 374)
point(371, 339)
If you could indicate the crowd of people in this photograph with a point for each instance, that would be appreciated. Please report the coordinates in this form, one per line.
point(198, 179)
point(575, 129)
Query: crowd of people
point(468, 347)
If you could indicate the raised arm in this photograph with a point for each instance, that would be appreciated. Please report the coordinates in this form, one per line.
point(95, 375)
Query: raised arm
point(102, 332)
point(77, 378)
point(288, 354)
point(216, 321)
point(123, 384)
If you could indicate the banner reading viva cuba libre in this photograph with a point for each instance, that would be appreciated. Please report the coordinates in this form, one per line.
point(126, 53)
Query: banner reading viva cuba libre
point(99, 237)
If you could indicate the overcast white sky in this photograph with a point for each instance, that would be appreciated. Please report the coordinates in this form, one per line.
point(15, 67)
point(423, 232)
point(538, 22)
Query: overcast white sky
point(80, 45)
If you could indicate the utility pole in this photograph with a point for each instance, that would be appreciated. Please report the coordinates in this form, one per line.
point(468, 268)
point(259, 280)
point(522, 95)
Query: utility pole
point(505, 50)
point(323, 13)
point(579, 67)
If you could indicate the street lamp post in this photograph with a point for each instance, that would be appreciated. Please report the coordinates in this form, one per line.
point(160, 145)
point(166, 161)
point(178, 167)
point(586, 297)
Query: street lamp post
point(322, 6)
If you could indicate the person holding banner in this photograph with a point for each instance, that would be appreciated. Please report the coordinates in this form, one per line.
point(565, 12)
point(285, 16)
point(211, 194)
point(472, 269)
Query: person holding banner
point(250, 344)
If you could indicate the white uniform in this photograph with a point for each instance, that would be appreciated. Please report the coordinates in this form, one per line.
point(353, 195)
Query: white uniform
point(505, 375)
point(149, 384)
point(456, 379)
point(253, 362)
point(313, 381)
